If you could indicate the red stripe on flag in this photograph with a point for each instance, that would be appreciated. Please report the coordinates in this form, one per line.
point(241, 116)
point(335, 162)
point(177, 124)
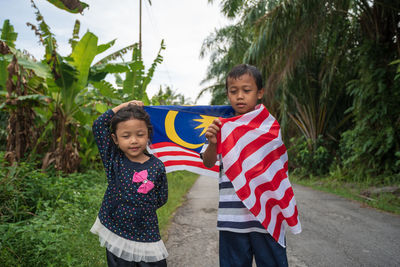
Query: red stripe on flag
point(189, 163)
point(162, 144)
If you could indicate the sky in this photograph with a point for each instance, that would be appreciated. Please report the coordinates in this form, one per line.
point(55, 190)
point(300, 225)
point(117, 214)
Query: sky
point(183, 24)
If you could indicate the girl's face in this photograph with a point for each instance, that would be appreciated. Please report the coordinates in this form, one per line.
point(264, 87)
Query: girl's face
point(132, 137)
point(243, 93)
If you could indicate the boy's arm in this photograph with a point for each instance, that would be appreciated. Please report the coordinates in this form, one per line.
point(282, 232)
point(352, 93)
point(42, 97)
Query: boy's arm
point(210, 154)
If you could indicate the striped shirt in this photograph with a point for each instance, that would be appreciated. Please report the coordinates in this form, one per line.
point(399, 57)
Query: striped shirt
point(232, 214)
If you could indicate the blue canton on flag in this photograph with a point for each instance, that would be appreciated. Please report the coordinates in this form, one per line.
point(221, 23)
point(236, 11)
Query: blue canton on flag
point(179, 135)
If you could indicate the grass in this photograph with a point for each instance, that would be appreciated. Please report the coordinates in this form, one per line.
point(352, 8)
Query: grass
point(64, 209)
point(359, 191)
point(178, 185)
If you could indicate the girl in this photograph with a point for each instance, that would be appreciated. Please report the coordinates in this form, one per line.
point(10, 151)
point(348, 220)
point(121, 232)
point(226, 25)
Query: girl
point(127, 223)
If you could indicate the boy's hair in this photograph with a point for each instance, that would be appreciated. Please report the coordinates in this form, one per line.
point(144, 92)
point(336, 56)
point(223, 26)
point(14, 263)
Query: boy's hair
point(131, 112)
point(242, 69)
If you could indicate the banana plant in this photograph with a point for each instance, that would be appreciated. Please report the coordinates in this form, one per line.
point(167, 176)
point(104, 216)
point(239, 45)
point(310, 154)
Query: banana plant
point(70, 109)
point(20, 79)
point(133, 86)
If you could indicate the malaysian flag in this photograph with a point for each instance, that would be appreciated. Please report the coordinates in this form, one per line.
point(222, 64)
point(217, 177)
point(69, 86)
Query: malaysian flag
point(255, 161)
point(179, 135)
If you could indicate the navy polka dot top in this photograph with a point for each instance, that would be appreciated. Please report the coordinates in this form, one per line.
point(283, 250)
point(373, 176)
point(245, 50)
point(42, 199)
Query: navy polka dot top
point(124, 211)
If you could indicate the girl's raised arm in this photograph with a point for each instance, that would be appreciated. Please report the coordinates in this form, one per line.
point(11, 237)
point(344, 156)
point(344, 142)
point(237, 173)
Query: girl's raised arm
point(102, 136)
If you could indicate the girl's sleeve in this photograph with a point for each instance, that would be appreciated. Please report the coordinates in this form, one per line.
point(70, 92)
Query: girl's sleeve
point(102, 136)
point(162, 188)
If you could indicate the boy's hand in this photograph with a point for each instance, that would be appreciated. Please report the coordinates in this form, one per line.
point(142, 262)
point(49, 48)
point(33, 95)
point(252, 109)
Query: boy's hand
point(212, 131)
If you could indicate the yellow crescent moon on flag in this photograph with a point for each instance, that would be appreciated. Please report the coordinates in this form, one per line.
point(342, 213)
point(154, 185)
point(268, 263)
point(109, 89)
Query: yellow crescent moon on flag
point(171, 132)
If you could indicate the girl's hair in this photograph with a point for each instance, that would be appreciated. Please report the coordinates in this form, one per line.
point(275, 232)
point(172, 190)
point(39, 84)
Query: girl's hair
point(131, 112)
point(242, 69)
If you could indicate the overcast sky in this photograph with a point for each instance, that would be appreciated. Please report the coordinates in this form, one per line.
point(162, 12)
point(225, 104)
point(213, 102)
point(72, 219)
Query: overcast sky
point(183, 24)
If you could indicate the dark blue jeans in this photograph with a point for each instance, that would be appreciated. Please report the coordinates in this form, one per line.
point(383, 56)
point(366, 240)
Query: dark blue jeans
point(238, 249)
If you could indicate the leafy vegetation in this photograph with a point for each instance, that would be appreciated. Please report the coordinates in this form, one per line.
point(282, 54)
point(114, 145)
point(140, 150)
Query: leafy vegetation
point(51, 103)
point(368, 192)
point(331, 78)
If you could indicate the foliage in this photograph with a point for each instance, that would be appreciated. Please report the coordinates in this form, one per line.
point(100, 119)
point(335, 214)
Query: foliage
point(16, 85)
point(338, 184)
point(3, 132)
point(66, 87)
point(46, 216)
point(61, 93)
point(132, 86)
point(370, 146)
point(226, 47)
point(169, 97)
point(309, 158)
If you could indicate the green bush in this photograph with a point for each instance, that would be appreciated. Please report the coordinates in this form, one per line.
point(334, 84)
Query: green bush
point(370, 147)
point(3, 127)
point(308, 158)
point(49, 218)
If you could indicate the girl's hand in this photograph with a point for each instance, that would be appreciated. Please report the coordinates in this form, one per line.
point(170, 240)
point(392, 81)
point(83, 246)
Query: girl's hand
point(135, 102)
point(132, 102)
point(212, 131)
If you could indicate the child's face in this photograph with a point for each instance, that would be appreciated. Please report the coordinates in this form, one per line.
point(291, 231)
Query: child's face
point(243, 93)
point(132, 137)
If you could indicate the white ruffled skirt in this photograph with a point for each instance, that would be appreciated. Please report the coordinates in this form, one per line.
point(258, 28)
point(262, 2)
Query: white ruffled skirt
point(127, 249)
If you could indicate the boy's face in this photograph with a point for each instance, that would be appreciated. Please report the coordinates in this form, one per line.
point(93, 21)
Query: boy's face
point(243, 93)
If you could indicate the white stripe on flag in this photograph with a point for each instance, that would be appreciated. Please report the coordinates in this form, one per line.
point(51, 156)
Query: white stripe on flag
point(200, 171)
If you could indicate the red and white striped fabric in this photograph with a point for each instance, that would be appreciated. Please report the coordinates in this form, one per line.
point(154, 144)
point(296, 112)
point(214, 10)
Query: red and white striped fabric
point(176, 158)
point(255, 161)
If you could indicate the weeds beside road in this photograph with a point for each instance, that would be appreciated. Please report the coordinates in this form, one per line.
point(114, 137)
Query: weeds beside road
point(383, 197)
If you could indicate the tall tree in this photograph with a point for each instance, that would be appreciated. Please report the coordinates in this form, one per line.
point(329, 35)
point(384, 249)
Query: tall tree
point(327, 62)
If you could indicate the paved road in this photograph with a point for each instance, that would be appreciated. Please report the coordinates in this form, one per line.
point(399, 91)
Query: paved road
point(336, 231)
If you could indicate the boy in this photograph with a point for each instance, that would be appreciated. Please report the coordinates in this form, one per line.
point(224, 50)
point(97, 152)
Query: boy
point(241, 235)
